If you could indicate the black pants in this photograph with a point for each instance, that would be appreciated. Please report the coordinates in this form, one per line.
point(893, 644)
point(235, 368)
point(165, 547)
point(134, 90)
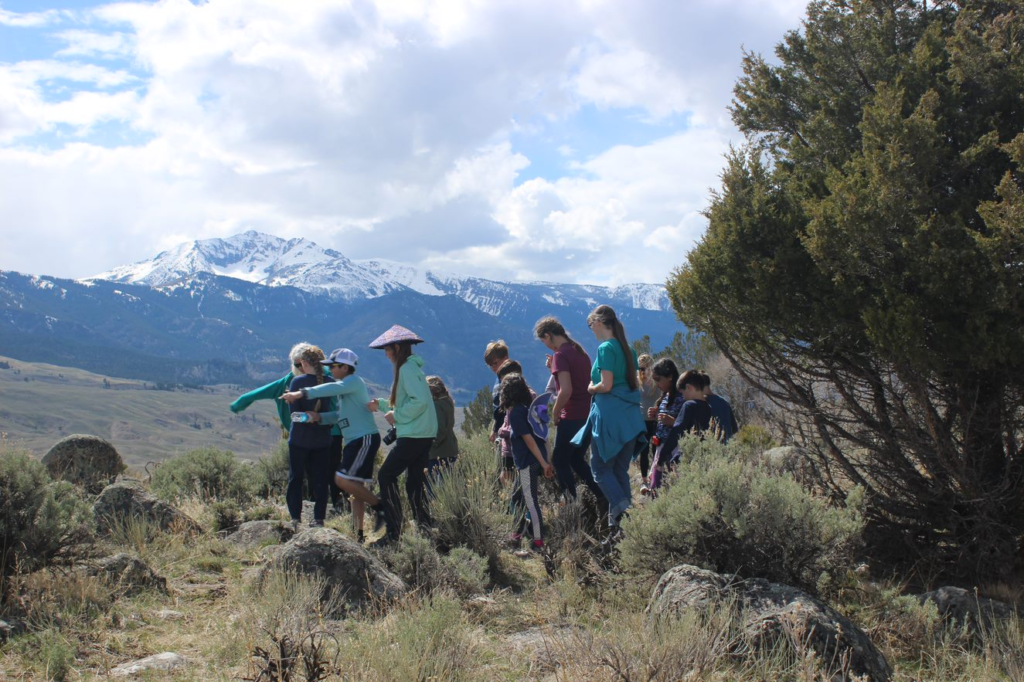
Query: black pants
point(411, 456)
point(314, 463)
point(567, 459)
point(526, 503)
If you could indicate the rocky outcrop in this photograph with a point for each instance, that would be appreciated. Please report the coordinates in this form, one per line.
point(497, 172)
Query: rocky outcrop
point(88, 461)
point(253, 534)
point(773, 614)
point(353, 578)
point(961, 607)
point(129, 573)
point(125, 501)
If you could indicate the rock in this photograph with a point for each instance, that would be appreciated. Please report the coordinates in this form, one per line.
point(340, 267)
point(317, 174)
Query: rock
point(122, 501)
point(253, 534)
point(168, 614)
point(165, 661)
point(88, 461)
point(130, 573)
point(351, 574)
point(6, 630)
point(773, 613)
point(961, 607)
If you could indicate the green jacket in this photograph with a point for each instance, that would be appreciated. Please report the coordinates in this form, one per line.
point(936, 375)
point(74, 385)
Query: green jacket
point(446, 445)
point(414, 406)
point(273, 391)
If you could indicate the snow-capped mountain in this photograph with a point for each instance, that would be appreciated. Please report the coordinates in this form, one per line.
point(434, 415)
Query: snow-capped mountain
point(272, 261)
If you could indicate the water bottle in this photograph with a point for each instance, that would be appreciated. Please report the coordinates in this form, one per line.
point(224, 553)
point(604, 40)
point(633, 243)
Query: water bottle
point(300, 417)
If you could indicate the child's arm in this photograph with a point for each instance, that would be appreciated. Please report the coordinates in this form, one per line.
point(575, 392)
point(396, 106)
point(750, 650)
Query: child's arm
point(531, 444)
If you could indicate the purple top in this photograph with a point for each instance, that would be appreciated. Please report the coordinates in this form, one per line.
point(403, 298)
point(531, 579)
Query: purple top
point(568, 359)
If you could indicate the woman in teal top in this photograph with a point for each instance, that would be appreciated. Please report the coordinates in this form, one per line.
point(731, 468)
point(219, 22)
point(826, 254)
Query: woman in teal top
point(615, 423)
point(411, 411)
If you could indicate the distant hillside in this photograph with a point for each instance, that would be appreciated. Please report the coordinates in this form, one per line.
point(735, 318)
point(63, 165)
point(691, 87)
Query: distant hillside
point(40, 404)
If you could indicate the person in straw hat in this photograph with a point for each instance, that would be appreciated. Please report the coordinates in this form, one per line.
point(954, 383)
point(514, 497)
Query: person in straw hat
point(410, 410)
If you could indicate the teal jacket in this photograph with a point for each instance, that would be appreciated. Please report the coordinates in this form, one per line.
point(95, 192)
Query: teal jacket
point(614, 421)
point(273, 391)
point(352, 415)
point(414, 406)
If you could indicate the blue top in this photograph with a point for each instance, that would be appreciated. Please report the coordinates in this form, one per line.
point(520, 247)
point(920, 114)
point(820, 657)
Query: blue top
point(668, 406)
point(312, 436)
point(520, 424)
point(351, 416)
point(695, 417)
point(721, 412)
point(614, 421)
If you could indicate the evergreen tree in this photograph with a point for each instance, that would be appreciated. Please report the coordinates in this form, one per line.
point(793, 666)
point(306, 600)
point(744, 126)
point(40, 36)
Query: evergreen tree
point(479, 414)
point(864, 264)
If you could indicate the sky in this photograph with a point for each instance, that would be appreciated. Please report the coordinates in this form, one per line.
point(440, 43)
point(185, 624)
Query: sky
point(570, 141)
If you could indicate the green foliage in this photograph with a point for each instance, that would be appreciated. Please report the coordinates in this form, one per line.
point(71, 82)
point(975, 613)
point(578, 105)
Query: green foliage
point(465, 505)
point(862, 264)
point(225, 515)
point(40, 519)
point(468, 571)
point(729, 515)
point(269, 475)
point(478, 416)
point(206, 473)
point(419, 564)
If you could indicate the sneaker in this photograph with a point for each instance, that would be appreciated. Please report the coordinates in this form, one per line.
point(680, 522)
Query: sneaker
point(380, 517)
point(295, 525)
point(316, 523)
point(644, 490)
point(536, 546)
point(360, 538)
point(614, 538)
point(515, 539)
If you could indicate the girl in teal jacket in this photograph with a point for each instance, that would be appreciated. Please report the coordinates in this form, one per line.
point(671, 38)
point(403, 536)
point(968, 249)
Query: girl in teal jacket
point(410, 410)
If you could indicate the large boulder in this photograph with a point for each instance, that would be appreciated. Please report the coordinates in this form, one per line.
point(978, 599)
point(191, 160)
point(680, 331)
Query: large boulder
point(129, 573)
point(353, 577)
point(961, 607)
point(772, 615)
point(253, 534)
point(88, 461)
point(124, 501)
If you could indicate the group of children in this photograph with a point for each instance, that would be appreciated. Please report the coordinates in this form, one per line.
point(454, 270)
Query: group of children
point(620, 407)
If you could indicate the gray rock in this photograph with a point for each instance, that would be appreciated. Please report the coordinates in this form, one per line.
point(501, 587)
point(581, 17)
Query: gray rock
point(252, 534)
point(960, 607)
point(165, 661)
point(129, 573)
point(351, 573)
point(88, 461)
point(124, 501)
point(773, 614)
point(168, 614)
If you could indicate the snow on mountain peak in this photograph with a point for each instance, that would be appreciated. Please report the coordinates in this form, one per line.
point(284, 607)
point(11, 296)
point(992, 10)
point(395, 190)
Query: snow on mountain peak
point(271, 261)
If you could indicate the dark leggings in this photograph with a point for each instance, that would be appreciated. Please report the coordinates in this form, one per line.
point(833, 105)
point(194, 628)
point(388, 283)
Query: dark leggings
point(411, 456)
point(645, 460)
point(314, 463)
point(526, 502)
point(567, 459)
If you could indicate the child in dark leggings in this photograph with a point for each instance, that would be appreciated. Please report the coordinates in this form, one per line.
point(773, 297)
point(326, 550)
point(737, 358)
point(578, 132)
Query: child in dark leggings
point(530, 455)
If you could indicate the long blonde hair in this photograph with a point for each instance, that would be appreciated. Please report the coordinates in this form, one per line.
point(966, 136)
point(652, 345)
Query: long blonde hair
point(604, 314)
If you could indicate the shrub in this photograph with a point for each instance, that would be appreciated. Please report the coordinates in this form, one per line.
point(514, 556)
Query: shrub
point(418, 563)
point(731, 516)
point(206, 473)
point(262, 512)
point(268, 476)
point(225, 515)
point(466, 507)
point(40, 519)
point(467, 570)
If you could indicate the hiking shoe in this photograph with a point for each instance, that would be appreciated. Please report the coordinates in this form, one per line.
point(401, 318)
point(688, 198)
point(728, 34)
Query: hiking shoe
point(380, 517)
point(644, 490)
point(515, 539)
point(316, 523)
point(360, 538)
point(295, 525)
point(535, 547)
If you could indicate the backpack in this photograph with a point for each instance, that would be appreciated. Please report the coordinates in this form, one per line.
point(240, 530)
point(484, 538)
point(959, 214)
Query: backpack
point(538, 417)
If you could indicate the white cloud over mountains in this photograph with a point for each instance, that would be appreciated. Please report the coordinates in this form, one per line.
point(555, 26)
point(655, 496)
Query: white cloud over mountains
point(415, 131)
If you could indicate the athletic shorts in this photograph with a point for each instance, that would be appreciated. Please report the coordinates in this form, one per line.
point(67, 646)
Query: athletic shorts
point(358, 457)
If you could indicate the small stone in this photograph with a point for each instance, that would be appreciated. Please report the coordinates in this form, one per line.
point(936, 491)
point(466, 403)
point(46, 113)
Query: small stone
point(165, 661)
point(168, 614)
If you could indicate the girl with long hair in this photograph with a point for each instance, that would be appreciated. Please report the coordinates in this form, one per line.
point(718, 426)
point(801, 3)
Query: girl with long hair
point(615, 424)
point(665, 374)
point(410, 409)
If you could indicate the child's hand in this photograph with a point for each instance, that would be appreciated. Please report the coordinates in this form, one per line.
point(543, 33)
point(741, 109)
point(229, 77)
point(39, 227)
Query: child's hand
point(314, 417)
point(372, 406)
point(549, 471)
point(291, 397)
point(390, 418)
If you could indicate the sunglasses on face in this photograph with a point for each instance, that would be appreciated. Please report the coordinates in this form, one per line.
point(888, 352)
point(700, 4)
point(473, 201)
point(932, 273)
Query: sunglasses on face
point(298, 364)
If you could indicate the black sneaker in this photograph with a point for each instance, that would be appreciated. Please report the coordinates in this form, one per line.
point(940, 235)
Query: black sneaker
point(316, 523)
point(380, 517)
point(360, 538)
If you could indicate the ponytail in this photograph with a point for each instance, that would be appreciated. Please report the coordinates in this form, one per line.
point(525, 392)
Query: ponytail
point(605, 315)
point(402, 353)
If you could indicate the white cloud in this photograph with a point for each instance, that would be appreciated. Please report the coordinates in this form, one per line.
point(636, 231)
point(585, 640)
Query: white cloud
point(29, 19)
point(383, 129)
